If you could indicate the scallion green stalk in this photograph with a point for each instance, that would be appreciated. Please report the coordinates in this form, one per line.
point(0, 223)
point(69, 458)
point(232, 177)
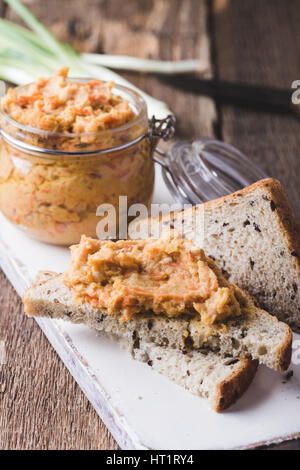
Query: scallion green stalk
point(43, 33)
point(142, 65)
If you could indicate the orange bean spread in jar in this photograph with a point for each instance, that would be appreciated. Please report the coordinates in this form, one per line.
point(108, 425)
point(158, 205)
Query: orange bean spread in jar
point(51, 177)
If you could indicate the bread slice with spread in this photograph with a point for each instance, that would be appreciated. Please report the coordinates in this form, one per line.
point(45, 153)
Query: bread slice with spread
point(162, 292)
point(254, 238)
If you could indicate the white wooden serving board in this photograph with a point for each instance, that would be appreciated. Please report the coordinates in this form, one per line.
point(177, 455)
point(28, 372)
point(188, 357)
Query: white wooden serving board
point(142, 409)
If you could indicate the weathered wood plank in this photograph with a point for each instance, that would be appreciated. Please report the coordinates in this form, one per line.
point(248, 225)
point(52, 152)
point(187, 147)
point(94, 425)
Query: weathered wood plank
point(258, 42)
point(37, 410)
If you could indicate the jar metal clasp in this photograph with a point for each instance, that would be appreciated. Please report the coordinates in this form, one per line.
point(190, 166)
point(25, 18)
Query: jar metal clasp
point(161, 129)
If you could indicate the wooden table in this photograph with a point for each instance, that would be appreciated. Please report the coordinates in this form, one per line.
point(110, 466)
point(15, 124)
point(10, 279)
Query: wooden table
point(254, 41)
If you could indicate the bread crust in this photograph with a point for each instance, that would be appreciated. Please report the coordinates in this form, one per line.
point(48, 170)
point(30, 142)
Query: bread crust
point(285, 216)
point(286, 352)
point(230, 390)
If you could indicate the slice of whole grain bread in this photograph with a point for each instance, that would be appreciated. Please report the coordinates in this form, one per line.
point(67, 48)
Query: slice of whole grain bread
point(219, 380)
point(255, 334)
point(254, 238)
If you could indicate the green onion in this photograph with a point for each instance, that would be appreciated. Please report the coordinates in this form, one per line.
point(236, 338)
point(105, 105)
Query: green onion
point(13, 59)
point(13, 75)
point(26, 54)
point(36, 53)
point(43, 33)
point(142, 65)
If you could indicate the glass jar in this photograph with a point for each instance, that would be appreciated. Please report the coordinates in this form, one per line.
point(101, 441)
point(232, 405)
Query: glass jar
point(51, 184)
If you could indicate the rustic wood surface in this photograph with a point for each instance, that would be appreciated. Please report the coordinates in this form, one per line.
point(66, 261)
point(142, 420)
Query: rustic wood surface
point(259, 42)
point(41, 406)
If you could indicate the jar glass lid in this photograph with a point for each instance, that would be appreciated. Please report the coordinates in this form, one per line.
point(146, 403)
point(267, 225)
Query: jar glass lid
point(205, 169)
